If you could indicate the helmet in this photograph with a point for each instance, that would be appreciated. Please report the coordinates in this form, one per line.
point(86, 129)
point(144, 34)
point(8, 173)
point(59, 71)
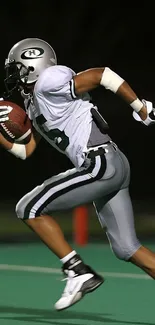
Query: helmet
point(25, 61)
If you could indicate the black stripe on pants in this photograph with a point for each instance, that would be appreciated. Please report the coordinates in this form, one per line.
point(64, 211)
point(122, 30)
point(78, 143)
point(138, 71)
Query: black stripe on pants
point(66, 189)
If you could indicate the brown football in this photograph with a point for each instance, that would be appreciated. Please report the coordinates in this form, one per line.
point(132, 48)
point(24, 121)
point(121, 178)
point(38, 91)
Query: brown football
point(18, 128)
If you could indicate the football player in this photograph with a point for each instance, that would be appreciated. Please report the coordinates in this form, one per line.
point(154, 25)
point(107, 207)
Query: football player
point(58, 103)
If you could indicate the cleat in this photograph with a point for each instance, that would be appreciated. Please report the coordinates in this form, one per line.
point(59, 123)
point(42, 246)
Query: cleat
point(78, 284)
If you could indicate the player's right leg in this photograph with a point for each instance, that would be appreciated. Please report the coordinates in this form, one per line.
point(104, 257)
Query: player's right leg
point(116, 216)
point(145, 259)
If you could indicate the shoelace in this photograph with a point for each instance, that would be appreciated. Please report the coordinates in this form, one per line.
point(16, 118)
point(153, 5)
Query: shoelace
point(70, 284)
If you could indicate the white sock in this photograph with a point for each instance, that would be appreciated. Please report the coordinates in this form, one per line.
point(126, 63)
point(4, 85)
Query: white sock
point(68, 257)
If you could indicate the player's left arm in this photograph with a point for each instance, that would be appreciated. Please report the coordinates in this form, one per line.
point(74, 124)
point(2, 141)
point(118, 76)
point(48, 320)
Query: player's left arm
point(92, 78)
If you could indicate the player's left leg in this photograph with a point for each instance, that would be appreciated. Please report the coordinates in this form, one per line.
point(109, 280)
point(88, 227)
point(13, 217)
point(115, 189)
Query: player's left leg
point(102, 174)
point(81, 278)
point(34, 209)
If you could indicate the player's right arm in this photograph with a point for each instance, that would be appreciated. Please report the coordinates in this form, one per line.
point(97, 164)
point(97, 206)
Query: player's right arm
point(20, 150)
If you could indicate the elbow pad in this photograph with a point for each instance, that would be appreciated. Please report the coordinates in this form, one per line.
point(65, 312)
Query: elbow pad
point(18, 150)
point(111, 80)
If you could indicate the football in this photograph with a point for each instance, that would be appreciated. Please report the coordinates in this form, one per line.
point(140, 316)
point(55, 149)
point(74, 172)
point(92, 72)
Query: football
point(18, 128)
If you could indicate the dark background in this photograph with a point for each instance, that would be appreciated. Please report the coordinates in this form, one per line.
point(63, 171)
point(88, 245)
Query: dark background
point(88, 34)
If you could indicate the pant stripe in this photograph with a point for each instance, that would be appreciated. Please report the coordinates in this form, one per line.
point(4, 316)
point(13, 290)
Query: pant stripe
point(67, 186)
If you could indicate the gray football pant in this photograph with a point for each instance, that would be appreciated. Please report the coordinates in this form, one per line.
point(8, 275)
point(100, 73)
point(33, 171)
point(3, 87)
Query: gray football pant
point(106, 187)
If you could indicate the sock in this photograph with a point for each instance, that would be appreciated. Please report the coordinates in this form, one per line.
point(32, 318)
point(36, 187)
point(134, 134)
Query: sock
point(68, 257)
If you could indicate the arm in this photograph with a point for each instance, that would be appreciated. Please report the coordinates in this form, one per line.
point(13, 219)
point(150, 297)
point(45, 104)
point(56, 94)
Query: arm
point(90, 79)
point(20, 150)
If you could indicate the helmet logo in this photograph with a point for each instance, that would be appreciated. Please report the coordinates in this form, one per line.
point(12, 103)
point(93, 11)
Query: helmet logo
point(32, 53)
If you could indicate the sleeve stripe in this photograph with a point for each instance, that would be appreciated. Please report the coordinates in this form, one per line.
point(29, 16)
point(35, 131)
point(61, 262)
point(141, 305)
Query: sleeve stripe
point(72, 89)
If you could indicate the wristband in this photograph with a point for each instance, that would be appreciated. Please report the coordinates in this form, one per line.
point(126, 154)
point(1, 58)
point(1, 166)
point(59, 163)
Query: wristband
point(18, 150)
point(137, 105)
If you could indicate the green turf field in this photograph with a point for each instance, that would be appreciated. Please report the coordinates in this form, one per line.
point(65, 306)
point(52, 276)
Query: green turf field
point(30, 283)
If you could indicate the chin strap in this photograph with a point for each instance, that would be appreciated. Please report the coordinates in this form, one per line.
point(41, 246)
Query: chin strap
point(24, 94)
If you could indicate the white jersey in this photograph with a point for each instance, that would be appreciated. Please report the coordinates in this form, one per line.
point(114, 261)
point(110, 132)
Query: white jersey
point(63, 119)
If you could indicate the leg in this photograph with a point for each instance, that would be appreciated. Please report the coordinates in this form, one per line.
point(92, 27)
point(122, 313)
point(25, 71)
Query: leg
point(145, 259)
point(60, 192)
point(51, 234)
point(34, 209)
point(117, 217)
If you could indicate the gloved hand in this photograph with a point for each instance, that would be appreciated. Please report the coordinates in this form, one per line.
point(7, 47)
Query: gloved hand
point(150, 114)
point(4, 111)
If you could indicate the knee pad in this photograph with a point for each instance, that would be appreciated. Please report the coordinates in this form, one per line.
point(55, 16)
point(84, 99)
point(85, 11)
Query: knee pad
point(123, 249)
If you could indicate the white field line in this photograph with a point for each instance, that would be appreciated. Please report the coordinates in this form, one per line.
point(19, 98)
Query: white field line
point(49, 270)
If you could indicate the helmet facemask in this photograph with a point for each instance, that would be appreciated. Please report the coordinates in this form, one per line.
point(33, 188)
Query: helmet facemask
point(16, 75)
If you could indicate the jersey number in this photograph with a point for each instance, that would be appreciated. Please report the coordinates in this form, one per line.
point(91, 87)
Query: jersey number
point(58, 137)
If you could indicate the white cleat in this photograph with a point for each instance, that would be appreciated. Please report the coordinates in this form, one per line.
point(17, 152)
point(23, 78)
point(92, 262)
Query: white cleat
point(77, 286)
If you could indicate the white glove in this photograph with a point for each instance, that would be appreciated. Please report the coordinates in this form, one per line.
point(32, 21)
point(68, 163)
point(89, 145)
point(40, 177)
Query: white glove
point(4, 111)
point(150, 114)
